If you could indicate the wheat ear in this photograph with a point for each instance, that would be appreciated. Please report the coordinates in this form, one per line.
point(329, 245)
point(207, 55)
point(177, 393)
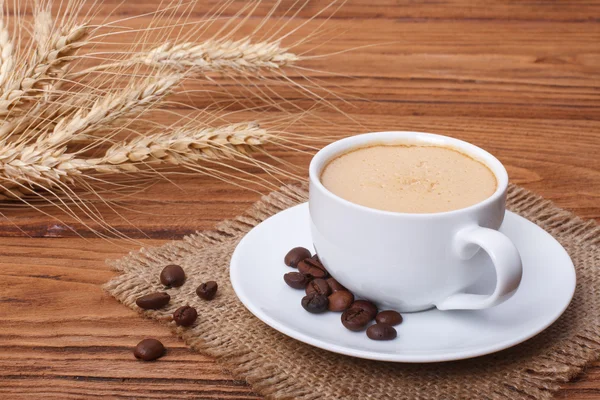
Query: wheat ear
point(25, 168)
point(59, 52)
point(46, 161)
point(48, 66)
point(183, 145)
point(240, 56)
point(215, 55)
point(111, 107)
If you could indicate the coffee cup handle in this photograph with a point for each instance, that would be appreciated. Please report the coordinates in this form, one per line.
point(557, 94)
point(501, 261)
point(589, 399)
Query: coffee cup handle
point(506, 260)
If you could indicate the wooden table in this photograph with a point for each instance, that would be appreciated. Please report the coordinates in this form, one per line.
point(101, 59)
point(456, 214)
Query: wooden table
point(519, 78)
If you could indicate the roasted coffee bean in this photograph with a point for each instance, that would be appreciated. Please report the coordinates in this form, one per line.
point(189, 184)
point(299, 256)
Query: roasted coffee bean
point(355, 319)
point(295, 280)
point(149, 349)
point(315, 303)
point(318, 286)
point(340, 300)
point(389, 317)
point(381, 332)
point(153, 301)
point(312, 269)
point(207, 290)
point(185, 316)
point(316, 258)
point(172, 276)
point(295, 255)
point(335, 285)
point(367, 306)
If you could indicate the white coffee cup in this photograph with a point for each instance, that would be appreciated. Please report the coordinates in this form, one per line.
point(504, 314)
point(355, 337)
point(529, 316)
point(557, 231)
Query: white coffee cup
point(412, 262)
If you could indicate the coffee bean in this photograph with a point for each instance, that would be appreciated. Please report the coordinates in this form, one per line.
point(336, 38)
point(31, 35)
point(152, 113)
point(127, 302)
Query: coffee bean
point(207, 290)
point(315, 303)
point(172, 276)
point(340, 300)
point(355, 319)
point(295, 280)
point(367, 306)
point(389, 317)
point(318, 286)
point(149, 349)
point(185, 316)
point(381, 332)
point(295, 255)
point(312, 269)
point(153, 301)
point(335, 285)
point(316, 258)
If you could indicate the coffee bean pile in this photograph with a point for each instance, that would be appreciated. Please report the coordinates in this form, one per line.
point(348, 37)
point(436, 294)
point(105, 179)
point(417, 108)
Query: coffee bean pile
point(171, 276)
point(324, 293)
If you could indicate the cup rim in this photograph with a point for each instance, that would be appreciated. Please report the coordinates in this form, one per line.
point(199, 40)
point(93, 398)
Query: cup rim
point(341, 146)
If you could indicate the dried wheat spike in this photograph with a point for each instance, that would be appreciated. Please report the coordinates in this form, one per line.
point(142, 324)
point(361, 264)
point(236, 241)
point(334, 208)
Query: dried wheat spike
point(48, 66)
point(182, 146)
point(241, 56)
point(218, 55)
point(59, 51)
point(27, 168)
point(45, 163)
point(40, 122)
point(109, 108)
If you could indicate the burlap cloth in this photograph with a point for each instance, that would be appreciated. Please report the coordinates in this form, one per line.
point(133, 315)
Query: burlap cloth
point(280, 367)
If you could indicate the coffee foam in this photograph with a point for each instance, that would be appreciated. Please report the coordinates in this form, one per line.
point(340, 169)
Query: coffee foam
point(409, 178)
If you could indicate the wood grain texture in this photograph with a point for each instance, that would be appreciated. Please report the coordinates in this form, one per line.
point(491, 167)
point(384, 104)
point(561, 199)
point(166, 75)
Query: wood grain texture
point(519, 78)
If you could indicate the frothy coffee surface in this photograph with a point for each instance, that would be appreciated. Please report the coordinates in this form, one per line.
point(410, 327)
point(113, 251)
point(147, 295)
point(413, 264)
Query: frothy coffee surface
point(409, 179)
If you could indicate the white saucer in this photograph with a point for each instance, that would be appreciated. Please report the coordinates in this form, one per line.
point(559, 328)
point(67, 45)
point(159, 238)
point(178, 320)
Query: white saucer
point(547, 287)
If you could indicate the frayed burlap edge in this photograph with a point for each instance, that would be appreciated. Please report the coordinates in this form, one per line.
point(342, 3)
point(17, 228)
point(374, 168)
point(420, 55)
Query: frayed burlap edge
point(522, 373)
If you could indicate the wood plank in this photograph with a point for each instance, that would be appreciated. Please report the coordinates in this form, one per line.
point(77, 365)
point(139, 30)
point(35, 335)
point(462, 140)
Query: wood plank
point(506, 10)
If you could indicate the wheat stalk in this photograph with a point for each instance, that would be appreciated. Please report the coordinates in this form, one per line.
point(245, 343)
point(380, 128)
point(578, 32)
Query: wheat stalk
point(25, 168)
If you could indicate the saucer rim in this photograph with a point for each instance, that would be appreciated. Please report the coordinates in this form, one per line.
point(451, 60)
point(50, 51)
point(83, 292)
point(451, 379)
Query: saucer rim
point(382, 356)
